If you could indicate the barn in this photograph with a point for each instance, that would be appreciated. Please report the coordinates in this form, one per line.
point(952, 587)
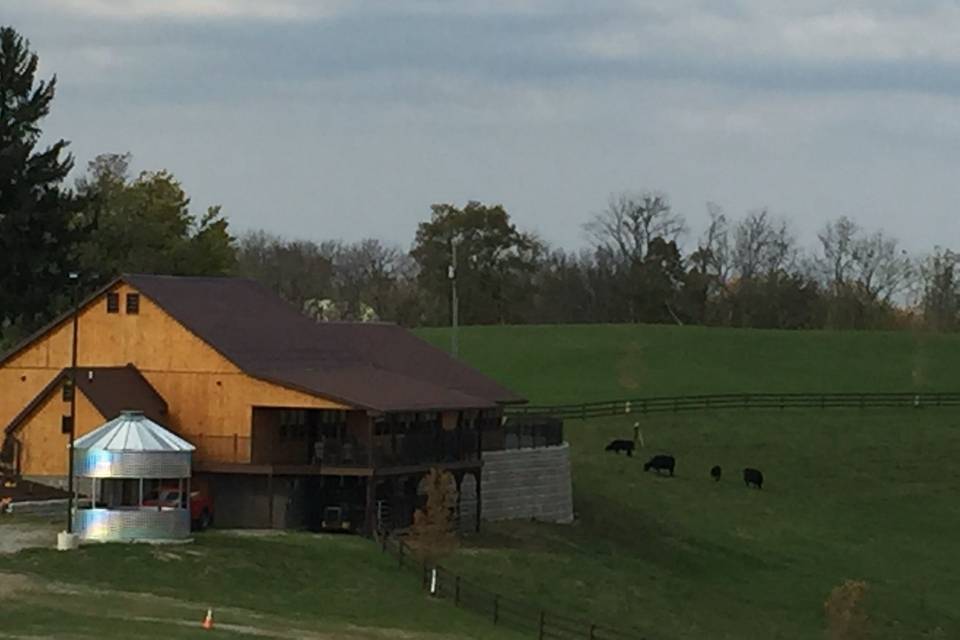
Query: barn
point(295, 423)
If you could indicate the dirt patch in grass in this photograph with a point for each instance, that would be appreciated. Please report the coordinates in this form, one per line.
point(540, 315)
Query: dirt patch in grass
point(13, 583)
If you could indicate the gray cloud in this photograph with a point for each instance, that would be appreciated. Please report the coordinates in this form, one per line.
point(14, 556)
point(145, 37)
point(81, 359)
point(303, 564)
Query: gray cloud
point(347, 119)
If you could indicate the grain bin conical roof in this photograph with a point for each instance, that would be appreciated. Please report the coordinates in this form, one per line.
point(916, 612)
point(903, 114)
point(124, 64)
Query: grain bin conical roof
point(133, 431)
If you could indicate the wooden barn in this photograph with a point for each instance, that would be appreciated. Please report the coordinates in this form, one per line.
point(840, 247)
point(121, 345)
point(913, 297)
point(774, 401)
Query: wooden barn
point(296, 423)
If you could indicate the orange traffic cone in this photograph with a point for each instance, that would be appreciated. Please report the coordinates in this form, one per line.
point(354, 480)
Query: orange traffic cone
point(208, 621)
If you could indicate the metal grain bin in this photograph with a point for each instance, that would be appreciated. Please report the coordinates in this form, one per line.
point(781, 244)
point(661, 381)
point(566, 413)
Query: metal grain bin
point(138, 474)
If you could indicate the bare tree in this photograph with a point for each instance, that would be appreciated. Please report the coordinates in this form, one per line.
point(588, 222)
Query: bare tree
point(940, 290)
point(761, 246)
point(838, 242)
point(871, 264)
point(631, 221)
point(883, 269)
point(365, 273)
point(297, 270)
point(713, 255)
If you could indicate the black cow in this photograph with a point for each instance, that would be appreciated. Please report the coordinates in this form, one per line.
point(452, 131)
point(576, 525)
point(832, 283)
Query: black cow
point(660, 462)
point(716, 472)
point(621, 445)
point(753, 477)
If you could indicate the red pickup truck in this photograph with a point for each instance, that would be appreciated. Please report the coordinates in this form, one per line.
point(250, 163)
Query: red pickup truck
point(201, 507)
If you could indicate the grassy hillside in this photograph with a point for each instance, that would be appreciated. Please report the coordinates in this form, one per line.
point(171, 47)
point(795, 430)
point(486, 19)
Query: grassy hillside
point(572, 363)
point(866, 495)
point(850, 494)
point(284, 586)
point(861, 495)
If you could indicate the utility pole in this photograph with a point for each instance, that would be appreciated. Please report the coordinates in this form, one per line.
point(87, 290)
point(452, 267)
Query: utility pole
point(454, 303)
point(73, 398)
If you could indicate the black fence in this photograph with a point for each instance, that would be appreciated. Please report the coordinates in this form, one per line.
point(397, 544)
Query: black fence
point(501, 609)
point(676, 404)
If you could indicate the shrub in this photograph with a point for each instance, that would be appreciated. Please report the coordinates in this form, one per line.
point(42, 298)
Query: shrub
point(433, 533)
point(846, 617)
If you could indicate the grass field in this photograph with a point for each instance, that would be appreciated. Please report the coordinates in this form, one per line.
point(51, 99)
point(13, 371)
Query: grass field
point(578, 363)
point(869, 494)
point(863, 495)
point(854, 494)
point(281, 586)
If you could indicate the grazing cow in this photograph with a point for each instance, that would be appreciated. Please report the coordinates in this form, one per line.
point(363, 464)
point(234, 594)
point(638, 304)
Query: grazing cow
point(660, 462)
point(753, 477)
point(621, 445)
point(716, 472)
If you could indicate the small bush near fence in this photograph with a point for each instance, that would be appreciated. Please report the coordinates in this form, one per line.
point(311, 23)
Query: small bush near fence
point(500, 609)
point(432, 534)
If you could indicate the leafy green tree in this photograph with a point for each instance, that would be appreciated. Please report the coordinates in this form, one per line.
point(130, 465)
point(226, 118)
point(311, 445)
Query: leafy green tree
point(145, 225)
point(495, 263)
point(39, 226)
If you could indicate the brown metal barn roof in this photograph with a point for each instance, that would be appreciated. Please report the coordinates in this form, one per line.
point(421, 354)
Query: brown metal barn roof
point(377, 366)
point(109, 389)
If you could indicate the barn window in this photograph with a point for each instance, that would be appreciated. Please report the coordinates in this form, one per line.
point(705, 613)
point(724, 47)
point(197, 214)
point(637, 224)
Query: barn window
point(67, 390)
point(133, 303)
point(113, 302)
point(66, 424)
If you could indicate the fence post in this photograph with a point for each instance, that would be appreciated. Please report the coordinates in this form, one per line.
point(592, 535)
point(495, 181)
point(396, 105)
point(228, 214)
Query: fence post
point(542, 621)
point(496, 608)
point(456, 591)
point(593, 629)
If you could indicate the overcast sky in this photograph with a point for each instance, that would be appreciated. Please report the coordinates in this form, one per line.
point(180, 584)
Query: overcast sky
point(339, 119)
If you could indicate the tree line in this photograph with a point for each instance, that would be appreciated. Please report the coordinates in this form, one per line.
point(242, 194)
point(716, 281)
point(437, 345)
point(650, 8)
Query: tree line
point(642, 263)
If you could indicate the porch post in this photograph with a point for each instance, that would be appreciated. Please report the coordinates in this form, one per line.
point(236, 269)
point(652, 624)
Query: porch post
point(370, 525)
point(270, 498)
point(370, 461)
point(478, 474)
point(458, 479)
point(393, 437)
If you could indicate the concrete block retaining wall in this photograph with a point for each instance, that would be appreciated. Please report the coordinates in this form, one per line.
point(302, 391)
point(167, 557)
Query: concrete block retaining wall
point(528, 484)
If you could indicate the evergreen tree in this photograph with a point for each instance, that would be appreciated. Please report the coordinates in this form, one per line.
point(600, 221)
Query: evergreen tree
point(38, 223)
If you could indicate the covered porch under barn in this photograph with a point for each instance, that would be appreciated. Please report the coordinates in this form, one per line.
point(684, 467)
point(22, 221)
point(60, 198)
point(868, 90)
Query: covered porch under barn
point(359, 501)
point(328, 469)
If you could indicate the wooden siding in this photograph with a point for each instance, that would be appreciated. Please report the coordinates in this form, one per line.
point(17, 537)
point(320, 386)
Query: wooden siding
point(43, 444)
point(205, 392)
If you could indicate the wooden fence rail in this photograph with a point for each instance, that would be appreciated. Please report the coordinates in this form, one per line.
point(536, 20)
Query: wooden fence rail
point(675, 404)
point(500, 609)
